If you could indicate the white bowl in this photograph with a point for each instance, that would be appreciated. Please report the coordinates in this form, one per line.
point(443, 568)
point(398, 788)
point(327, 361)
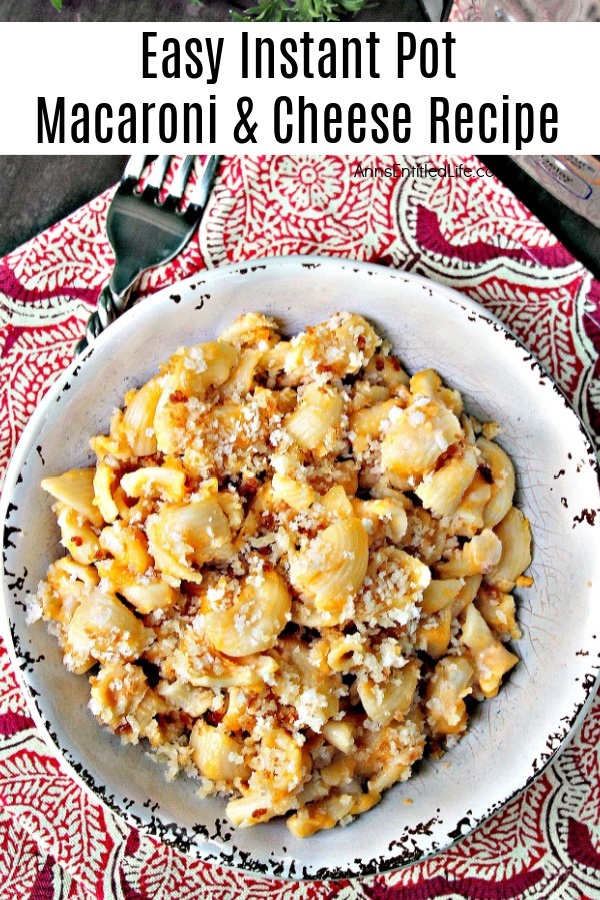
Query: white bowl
point(511, 738)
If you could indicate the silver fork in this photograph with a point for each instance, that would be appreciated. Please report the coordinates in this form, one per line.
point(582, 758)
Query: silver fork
point(144, 232)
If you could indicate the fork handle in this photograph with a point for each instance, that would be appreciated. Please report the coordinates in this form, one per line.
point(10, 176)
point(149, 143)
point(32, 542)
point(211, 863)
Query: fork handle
point(110, 306)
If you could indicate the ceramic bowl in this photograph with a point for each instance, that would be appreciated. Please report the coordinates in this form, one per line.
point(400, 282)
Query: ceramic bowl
point(511, 738)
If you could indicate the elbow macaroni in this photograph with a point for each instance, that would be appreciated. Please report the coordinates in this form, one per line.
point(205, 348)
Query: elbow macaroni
point(290, 570)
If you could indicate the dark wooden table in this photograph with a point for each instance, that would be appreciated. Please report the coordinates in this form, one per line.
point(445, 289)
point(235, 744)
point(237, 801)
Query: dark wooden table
point(115, 11)
point(36, 191)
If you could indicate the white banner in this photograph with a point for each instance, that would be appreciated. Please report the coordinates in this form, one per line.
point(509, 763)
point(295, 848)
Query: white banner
point(232, 88)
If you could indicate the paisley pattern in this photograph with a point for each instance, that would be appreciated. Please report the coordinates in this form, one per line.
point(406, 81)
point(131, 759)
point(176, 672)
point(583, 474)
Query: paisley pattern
point(468, 232)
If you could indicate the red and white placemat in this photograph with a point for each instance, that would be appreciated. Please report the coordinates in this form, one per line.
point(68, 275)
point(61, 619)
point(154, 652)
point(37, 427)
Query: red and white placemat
point(467, 231)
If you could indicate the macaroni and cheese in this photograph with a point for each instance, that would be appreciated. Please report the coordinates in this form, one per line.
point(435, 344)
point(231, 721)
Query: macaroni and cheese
point(290, 570)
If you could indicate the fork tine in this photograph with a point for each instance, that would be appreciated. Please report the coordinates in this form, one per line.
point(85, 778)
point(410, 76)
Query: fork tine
point(157, 175)
point(180, 180)
point(134, 168)
point(204, 184)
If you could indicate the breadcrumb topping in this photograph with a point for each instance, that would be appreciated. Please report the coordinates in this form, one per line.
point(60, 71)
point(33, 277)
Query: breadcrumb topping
point(290, 571)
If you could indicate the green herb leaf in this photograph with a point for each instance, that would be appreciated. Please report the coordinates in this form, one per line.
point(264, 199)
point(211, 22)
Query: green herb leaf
point(57, 4)
point(301, 10)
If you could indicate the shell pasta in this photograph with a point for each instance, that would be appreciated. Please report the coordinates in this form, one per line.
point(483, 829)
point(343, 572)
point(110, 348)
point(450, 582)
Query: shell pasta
point(291, 569)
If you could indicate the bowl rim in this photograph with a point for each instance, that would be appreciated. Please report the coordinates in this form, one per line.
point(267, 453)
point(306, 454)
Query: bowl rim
point(266, 866)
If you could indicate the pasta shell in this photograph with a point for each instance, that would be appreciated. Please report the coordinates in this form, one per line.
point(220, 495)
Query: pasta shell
point(386, 517)
point(104, 479)
point(77, 572)
point(441, 491)
point(395, 589)
point(251, 330)
point(170, 418)
point(113, 447)
point(297, 494)
point(77, 535)
point(217, 755)
point(334, 566)
point(346, 652)
point(122, 699)
point(319, 410)
point(466, 594)
point(128, 544)
point(281, 767)
point(167, 482)
point(231, 504)
point(324, 814)
point(515, 535)
point(302, 682)
point(75, 488)
point(391, 699)
point(492, 659)
point(138, 418)
point(366, 425)
point(274, 360)
point(499, 611)
point(255, 620)
point(366, 395)
point(193, 701)
point(145, 594)
point(335, 504)
point(492, 663)
point(197, 663)
point(418, 436)
point(340, 735)
point(241, 379)
point(252, 807)
point(122, 503)
point(64, 589)
point(434, 631)
point(439, 594)
point(104, 629)
point(479, 555)
point(428, 383)
point(390, 752)
point(386, 370)
point(338, 347)
point(444, 698)
point(468, 515)
point(196, 369)
point(503, 482)
point(181, 535)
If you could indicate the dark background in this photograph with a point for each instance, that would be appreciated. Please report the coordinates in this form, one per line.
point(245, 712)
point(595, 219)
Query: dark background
point(36, 191)
point(116, 11)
